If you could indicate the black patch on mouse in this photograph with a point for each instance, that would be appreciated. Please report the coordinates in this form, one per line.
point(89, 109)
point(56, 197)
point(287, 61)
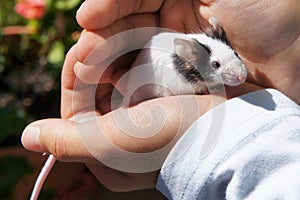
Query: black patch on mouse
point(237, 55)
point(218, 34)
point(188, 71)
point(192, 60)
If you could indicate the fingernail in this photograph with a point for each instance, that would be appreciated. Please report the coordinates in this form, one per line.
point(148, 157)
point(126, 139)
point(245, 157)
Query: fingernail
point(30, 139)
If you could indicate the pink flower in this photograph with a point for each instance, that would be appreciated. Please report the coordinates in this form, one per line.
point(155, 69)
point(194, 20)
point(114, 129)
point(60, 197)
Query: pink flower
point(31, 9)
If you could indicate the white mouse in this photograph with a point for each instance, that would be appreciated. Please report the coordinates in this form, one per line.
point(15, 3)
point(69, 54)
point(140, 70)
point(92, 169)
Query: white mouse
point(177, 63)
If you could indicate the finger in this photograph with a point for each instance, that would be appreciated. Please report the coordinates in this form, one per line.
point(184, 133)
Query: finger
point(110, 44)
point(101, 38)
point(121, 182)
point(58, 137)
point(187, 18)
point(67, 83)
point(85, 92)
point(76, 96)
point(90, 40)
point(68, 76)
point(95, 14)
point(103, 72)
point(125, 139)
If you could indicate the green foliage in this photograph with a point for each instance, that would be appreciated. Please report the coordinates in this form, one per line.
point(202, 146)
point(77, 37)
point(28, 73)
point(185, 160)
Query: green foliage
point(56, 53)
point(30, 63)
point(66, 4)
point(11, 171)
point(7, 16)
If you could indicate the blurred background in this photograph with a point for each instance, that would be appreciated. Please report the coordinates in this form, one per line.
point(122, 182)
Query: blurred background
point(34, 38)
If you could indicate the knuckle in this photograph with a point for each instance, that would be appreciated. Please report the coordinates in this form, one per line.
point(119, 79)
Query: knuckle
point(60, 151)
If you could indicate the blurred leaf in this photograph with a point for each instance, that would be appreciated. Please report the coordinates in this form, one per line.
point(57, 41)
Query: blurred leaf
point(12, 170)
point(66, 4)
point(34, 24)
point(56, 54)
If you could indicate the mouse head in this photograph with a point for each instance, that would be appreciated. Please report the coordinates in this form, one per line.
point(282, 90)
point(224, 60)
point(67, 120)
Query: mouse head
point(211, 61)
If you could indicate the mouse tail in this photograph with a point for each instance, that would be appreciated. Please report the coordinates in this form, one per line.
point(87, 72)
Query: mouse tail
point(42, 177)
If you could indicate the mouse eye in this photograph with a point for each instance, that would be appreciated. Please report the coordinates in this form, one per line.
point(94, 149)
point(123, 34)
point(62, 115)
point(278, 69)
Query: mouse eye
point(215, 64)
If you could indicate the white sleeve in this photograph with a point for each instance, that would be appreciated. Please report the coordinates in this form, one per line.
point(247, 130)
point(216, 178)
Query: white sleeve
point(247, 148)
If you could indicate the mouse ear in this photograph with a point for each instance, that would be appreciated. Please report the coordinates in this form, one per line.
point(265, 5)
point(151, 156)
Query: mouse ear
point(185, 49)
point(191, 50)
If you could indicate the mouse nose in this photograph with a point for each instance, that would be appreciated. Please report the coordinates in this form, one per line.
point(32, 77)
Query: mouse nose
point(241, 77)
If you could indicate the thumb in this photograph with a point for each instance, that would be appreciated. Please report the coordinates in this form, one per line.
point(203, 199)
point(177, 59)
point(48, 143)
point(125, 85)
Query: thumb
point(58, 137)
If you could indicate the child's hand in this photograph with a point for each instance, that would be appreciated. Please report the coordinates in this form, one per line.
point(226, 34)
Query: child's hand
point(257, 43)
